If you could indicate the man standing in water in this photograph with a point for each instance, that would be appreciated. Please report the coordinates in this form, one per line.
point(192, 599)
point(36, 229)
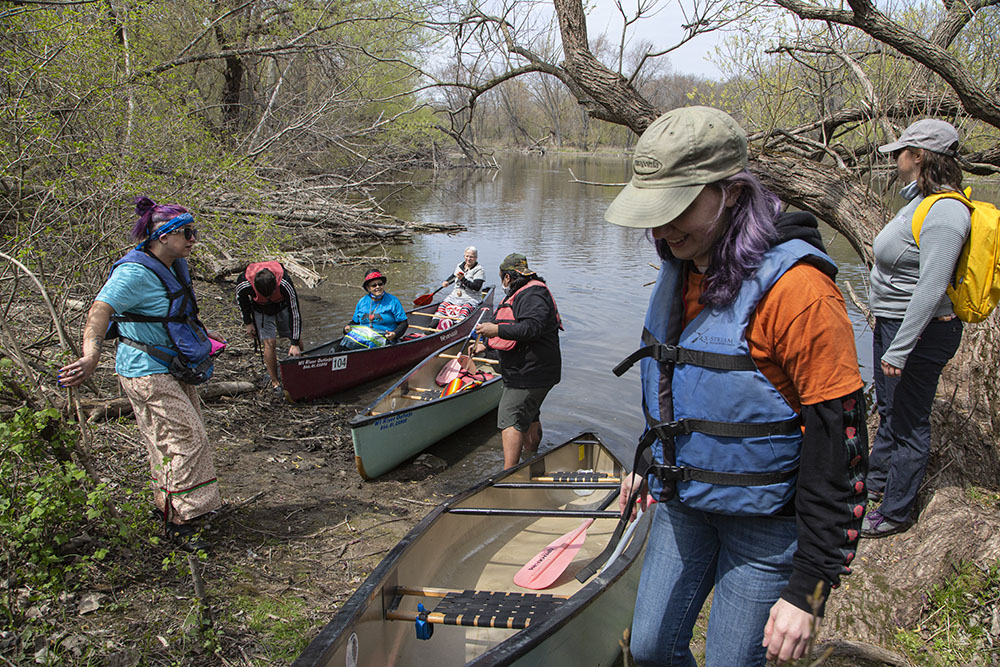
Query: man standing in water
point(525, 333)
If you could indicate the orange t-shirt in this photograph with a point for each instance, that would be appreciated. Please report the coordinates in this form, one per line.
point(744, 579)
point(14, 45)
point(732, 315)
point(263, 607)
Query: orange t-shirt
point(800, 336)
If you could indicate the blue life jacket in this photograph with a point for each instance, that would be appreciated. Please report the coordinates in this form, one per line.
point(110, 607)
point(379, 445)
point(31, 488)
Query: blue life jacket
point(724, 438)
point(189, 359)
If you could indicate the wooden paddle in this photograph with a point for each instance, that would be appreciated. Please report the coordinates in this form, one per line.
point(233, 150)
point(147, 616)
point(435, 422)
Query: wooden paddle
point(549, 563)
point(425, 299)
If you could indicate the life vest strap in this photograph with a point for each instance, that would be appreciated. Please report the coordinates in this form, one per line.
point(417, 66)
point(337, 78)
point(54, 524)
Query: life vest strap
point(161, 355)
point(670, 429)
point(667, 473)
point(675, 354)
point(135, 317)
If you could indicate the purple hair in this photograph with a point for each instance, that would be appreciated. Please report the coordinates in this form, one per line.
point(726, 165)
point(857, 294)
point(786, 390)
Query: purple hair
point(738, 252)
point(150, 214)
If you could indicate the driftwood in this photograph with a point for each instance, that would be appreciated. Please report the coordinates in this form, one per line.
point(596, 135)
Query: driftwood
point(861, 653)
point(119, 407)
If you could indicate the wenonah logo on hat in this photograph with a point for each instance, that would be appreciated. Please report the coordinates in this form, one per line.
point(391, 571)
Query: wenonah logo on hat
point(646, 165)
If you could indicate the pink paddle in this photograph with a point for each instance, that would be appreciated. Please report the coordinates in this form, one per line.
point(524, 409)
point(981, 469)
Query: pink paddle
point(542, 570)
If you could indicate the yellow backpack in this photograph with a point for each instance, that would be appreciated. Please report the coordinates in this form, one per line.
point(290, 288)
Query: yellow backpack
point(975, 289)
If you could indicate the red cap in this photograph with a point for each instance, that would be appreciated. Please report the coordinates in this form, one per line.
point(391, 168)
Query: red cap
point(372, 275)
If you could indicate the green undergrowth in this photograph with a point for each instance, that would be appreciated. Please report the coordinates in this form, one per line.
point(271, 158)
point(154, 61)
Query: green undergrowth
point(961, 615)
point(281, 626)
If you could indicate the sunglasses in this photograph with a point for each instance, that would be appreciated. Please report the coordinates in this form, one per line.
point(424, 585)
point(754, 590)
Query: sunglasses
point(190, 233)
point(376, 283)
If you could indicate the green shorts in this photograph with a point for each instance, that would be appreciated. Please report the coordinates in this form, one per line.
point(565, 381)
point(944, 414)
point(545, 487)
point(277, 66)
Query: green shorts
point(520, 408)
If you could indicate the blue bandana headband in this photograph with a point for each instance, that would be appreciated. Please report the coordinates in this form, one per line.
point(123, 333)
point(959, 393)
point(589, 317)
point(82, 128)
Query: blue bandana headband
point(172, 225)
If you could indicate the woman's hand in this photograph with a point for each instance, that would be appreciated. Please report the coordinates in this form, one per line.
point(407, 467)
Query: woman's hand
point(629, 484)
point(891, 371)
point(787, 632)
point(294, 351)
point(389, 335)
point(215, 335)
point(250, 329)
point(76, 373)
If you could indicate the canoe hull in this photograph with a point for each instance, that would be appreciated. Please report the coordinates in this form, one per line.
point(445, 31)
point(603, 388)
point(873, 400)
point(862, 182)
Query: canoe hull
point(462, 552)
point(321, 372)
point(385, 442)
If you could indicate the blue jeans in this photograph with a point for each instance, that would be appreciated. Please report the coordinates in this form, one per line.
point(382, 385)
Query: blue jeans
point(747, 560)
point(903, 441)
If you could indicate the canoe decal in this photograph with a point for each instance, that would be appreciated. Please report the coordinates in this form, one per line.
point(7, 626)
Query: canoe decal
point(392, 420)
point(338, 363)
point(352, 651)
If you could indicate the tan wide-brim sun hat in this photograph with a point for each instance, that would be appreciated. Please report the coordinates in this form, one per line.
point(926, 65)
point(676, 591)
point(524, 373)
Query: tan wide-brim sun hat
point(680, 153)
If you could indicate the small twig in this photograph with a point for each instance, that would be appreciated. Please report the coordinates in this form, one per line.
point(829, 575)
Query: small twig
point(416, 502)
point(199, 586)
point(609, 185)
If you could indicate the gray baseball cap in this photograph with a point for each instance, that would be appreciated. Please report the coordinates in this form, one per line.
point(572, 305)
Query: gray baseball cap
point(930, 133)
point(680, 153)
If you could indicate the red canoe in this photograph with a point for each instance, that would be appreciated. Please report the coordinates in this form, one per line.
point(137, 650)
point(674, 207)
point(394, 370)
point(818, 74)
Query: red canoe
point(320, 371)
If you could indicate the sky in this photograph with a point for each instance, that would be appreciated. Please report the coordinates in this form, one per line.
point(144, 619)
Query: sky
point(662, 29)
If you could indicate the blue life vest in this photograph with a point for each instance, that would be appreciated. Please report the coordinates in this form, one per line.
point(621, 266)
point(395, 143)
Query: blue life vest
point(189, 359)
point(723, 437)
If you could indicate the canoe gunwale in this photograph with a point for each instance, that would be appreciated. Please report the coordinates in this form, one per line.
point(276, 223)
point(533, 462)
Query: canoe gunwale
point(510, 650)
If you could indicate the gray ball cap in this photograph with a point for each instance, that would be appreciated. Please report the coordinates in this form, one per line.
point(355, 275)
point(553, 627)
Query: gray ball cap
point(680, 153)
point(932, 134)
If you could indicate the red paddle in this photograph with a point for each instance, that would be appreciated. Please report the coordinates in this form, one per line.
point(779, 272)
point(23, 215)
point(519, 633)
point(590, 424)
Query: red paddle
point(549, 563)
point(425, 299)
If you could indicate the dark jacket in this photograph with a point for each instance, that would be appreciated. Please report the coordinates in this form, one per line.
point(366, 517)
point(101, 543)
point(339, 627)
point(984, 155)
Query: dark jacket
point(535, 361)
point(290, 300)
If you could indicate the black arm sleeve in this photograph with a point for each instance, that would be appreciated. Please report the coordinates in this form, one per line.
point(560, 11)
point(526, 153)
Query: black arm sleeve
point(244, 299)
point(287, 288)
point(472, 285)
point(830, 496)
point(400, 329)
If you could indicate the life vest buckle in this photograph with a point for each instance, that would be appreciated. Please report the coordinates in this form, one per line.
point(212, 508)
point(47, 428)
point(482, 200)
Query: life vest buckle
point(665, 354)
point(671, 429)
point(667, 473)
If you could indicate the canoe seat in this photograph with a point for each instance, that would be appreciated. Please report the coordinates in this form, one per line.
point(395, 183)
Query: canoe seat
point(577, 476)
point(481, 609)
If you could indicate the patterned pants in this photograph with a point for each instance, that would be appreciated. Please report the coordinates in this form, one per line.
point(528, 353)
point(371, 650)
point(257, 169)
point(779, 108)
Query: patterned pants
point(168, 413)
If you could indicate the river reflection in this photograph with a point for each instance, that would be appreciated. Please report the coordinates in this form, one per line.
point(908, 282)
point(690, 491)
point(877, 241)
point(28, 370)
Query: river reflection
point(599, 274)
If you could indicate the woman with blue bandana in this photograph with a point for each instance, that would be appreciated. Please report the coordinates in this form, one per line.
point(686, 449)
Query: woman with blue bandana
point(163, 352)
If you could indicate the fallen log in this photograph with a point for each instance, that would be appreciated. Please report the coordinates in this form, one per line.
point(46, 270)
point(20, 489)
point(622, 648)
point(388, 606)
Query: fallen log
point(119, 407)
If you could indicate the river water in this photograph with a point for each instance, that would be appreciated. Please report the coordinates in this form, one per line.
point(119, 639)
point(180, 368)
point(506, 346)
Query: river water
point(600, 275)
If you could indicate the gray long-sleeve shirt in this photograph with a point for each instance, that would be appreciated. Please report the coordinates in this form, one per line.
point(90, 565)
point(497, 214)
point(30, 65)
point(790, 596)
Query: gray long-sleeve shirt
point(908, 282)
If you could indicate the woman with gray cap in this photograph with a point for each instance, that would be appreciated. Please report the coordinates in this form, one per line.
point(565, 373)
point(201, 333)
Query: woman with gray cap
point(916, 332)
point(755, 441)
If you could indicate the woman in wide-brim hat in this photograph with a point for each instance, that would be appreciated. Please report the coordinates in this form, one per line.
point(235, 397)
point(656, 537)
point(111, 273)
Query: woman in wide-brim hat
point(753, 400)
point(916, 331)
point(378, 310)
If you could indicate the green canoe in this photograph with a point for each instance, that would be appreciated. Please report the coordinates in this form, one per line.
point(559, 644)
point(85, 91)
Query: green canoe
point(412, 415)
point(460, 562)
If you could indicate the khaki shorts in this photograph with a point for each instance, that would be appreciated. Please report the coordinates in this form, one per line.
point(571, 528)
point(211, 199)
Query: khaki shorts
point(520, 408)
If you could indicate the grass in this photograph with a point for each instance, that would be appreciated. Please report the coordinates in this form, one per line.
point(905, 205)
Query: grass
point(956, 628)
point(281, 626)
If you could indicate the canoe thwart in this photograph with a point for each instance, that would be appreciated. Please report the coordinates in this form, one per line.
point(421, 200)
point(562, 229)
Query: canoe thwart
point(481, 609)
point(577, 477)
point(440, 317)
point(481, 360)
point(417, 326)
point(556, 485)
point(501, 511)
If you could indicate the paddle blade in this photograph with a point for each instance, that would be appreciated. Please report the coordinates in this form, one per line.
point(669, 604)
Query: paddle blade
point(542, 570)
point(423, 300)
